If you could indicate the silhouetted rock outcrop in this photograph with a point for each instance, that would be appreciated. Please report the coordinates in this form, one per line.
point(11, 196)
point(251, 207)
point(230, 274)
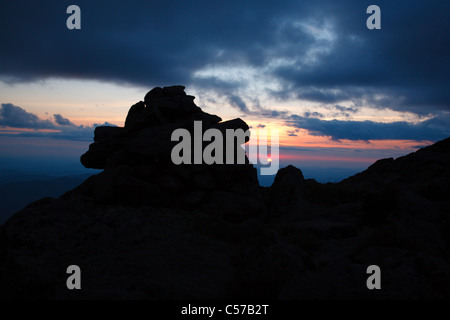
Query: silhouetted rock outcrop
point(149, 125)
point(288, 186)
point(148, 229)
point(428, 166)
point(139, 169)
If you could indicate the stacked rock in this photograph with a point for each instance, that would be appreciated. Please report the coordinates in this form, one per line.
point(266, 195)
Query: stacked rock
point(138, 168)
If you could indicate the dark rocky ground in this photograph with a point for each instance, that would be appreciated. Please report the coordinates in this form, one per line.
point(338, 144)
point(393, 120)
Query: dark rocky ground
point(146, 228)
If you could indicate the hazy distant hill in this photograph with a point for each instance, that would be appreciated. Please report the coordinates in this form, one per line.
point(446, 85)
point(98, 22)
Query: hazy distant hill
point(16, 195)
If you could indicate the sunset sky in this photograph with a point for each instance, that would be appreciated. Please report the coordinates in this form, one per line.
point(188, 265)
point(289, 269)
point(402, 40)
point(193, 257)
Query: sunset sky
point(341, 95)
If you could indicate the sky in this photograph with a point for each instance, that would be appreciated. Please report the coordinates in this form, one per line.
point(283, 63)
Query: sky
point(341, 95)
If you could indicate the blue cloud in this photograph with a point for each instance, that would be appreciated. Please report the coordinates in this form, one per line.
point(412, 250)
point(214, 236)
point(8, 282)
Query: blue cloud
point(237, 102)
point(331, 56)
point(60, 120)
point(434, 129)
point(16, 117)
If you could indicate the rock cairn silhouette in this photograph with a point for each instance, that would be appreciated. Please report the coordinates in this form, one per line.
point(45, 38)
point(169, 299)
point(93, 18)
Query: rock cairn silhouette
point(138, 169)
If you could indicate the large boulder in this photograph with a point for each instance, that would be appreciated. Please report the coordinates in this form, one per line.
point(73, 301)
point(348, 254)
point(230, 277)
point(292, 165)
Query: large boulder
point(288, 187)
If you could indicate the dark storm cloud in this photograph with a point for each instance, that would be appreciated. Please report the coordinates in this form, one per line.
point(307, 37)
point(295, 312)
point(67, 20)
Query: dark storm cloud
point(16, 117)
point(433, 129)
point(156, 42)
point(323, 50)
point(406, 61)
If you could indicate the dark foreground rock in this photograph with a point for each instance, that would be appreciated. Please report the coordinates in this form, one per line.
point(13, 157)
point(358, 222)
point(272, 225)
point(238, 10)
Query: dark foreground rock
point(145, 228)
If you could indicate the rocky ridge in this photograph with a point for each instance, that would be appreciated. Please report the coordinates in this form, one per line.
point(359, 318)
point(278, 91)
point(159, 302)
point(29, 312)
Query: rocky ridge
point(145, 228)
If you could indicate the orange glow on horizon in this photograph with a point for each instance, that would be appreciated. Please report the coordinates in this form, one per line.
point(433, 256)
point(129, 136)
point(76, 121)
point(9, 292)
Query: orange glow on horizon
point(292, 137)
point(297, 157)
